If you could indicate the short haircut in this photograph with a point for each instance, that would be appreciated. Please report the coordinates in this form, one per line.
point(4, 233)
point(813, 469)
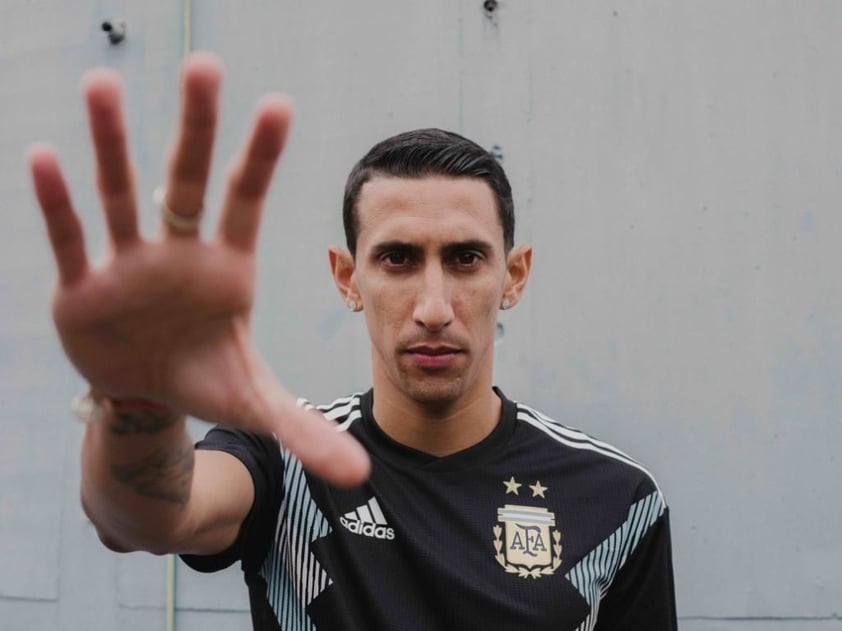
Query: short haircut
point(424, 153)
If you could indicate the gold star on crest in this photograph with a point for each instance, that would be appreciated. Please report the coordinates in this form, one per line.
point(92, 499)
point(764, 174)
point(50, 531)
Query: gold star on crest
point(512, 486)
point(537, 489)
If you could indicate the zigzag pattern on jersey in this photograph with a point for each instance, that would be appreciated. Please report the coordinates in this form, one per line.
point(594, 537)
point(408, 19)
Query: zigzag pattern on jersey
point(593, 575)
point(293, 575)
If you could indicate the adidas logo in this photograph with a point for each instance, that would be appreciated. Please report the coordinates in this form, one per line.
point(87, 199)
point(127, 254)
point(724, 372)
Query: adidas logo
point(368, 520)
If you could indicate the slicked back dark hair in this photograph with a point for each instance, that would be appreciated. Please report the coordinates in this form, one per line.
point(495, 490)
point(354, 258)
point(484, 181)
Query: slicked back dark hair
point(424, 153)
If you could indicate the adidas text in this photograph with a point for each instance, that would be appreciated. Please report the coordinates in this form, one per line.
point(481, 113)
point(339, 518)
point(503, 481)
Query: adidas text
point(369, 530)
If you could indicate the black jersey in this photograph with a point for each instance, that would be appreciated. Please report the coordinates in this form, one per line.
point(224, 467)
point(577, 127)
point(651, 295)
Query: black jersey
point(537, 527)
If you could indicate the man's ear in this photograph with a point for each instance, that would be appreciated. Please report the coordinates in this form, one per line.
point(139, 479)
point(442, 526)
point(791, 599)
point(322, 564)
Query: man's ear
point(342, 268)
point(518, 266)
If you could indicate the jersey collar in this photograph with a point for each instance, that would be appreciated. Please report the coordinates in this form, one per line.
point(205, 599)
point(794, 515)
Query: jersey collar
point(382, 446)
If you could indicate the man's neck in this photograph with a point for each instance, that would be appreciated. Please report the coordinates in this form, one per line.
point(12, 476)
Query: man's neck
point(439, 430)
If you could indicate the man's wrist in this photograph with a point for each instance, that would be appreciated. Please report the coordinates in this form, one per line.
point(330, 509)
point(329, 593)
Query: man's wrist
point(142, 415)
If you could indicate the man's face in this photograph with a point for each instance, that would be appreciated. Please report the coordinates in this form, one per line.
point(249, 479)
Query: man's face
point(430, 272)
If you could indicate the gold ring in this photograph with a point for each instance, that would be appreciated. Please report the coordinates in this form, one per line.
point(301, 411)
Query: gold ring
point(178, 223)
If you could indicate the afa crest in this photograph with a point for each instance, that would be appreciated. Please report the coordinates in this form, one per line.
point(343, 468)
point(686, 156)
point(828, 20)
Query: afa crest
point(530, 545)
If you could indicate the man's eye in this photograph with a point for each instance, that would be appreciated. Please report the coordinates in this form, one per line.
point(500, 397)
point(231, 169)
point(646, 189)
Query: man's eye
point(467, 258)
point(395, 258)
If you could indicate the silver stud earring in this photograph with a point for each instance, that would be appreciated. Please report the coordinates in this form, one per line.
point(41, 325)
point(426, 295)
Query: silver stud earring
point(506, 304)
point(351, 304)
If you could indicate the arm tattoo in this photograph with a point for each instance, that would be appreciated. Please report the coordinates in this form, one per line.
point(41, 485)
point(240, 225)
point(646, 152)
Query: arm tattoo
point(129, 422)
point(166, 474)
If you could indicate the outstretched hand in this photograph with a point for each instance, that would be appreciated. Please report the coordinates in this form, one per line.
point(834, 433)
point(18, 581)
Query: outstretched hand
point(168, 319)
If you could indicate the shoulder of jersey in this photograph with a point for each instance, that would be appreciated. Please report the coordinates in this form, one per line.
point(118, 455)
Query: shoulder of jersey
point(577, 439)
point(344, 410)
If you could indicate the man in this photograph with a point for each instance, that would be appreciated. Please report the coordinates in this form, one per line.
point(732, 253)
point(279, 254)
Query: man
point(439, 503)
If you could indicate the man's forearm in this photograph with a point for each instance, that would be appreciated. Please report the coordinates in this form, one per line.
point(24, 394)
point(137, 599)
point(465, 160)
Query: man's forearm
point(137, 472)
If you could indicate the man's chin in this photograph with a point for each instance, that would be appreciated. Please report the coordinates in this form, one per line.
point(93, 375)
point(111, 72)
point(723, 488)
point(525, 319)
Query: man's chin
point(434, 392)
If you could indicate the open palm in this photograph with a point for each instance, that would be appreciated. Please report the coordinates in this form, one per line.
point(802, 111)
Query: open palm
point(168, 319)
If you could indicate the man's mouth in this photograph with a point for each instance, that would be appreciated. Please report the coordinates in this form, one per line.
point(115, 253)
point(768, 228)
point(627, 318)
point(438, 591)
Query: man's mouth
point(426, 349)
point(433, 356)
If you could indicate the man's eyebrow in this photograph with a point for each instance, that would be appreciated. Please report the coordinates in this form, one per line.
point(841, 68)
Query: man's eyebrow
point(471, 244)
point(392, 246)
point(449, 248)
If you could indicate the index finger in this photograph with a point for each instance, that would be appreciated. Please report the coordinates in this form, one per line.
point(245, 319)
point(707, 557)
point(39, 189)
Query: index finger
point(251, 173)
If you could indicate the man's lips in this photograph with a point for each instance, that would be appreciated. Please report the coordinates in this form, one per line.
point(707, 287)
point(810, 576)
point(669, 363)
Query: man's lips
point(433, 356)
point(425, 349)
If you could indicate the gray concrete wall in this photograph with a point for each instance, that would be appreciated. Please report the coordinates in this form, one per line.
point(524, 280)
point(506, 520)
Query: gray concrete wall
point(676, 165)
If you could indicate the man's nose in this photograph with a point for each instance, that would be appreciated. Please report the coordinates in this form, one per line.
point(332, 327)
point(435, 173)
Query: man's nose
point(433, 308)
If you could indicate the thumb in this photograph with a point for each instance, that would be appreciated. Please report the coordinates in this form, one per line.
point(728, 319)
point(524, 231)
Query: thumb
point(317, 442)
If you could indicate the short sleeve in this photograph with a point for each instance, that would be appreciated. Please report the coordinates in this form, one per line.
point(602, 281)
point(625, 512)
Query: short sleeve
point(642, 595)
point(260, 453)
